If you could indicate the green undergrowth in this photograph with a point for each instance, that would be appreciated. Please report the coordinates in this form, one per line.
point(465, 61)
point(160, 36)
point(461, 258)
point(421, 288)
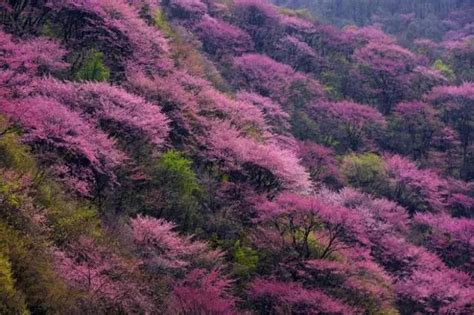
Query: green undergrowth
point(35, 218)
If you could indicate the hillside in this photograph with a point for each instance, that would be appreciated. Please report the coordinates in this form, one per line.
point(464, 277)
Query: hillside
point(407, 20)
point(233, 157)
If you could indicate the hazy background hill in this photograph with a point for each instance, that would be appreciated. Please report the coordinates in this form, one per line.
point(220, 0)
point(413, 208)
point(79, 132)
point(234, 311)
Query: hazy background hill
point(406, 19)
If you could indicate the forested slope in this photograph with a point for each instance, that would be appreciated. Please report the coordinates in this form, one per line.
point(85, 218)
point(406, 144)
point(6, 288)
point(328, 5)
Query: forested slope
point(232, 157)
point(406, 19)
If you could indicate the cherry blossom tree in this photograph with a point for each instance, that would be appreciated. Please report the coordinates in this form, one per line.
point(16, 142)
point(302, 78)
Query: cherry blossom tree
point(351, 125)
point(321, 163)
point(443, 292)
point(114, 28)
point(416, 189)
point(220, 38)
point(278, 81)
point(290, 297)
point(202, 292)
point(447, 156)
point(64, 122)
point(267, 165)
point(451, 238)
point(385, 71)
point(161, 247)
point(241, 113)
point(297, 24)
point(262, 74)
point(183, 9)
point(275, 117)
point(298, 217)
point(22, 60)
point(259, 19)
point(351, 281)
point(298, 54)
point(367, 34)
point(412, 129)
point(459, 47)
point(53, 128)
point(455, 105)
point(107, 280)
point(110, 108)
point(379, 215)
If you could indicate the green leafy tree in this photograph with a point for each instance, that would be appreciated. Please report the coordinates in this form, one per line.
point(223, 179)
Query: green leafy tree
point(93, 68)
point(444, 69)
point(161, 22)
point(11, 301)
point(245, 260)
point(179, 188)
point(364, 171)
point(31, 271)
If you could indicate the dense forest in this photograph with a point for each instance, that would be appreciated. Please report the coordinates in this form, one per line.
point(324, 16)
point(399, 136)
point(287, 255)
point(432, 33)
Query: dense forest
point(408, 20)
point(236, 157)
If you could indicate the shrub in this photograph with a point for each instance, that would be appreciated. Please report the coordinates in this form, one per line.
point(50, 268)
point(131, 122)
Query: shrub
point(11, 301)
point(245, 260)
point(365, 171)
point(179, 187)
point(93, 68)
point(440, 66)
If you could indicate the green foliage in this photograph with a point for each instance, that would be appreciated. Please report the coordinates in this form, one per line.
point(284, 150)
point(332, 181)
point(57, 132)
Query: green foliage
point(13, 154)
point(6, 279)
point(444, 69)
point(245, 260)
point(11, 301)
point(332, 92)
point(303, 127)
point(187, 56)
point(179, 186)
point(301, 13)
point(32, 271)
point(178, 170)
point(33, 212)
point(70, 222)
point(16, 205)
point(51, 30)
point(461, 62)
point(161, 23)
point(68, 218)
point(310, 244)
point(93, 68)
point(333, 82)
point(300, 95)
point(8, 189)
point(364, 171)
point(388, 311)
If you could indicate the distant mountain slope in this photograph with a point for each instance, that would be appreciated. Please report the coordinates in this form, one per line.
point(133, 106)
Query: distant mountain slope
point(407, 20)
point(199, 157)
